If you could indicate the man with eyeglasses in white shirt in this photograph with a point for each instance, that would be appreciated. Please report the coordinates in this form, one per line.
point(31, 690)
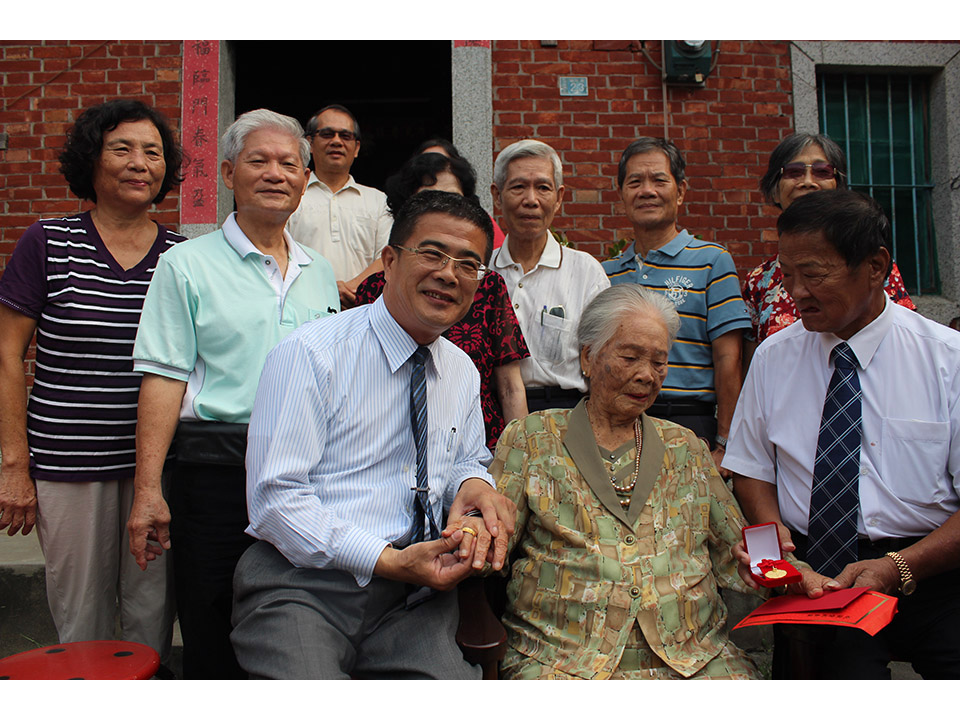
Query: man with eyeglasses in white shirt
point(347, 510)
point(348, 223)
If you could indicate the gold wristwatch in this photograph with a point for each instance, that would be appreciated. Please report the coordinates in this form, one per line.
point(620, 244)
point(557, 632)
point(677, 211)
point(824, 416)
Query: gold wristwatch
point(907, 583)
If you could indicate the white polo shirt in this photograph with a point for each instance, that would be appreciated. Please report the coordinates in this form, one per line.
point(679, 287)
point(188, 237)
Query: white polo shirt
point(348, 227)
point(562, 278)
point(910, 451)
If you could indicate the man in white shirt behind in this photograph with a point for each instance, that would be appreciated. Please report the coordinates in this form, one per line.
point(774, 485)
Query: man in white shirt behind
point(347, 223)
point(339, 584)
point(898, 526)
point(549, 284)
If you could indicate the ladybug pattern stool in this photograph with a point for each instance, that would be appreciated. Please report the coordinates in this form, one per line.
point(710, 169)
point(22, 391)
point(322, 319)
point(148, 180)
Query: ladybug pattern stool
point(92, 660)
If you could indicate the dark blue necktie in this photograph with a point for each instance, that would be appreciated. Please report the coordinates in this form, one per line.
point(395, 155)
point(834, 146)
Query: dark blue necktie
point(418, 421)
point(835, 496)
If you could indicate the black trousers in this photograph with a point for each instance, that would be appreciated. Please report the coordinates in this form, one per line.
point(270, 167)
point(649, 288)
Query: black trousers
point(925, 632)
point(208, 508)
point(700, 417)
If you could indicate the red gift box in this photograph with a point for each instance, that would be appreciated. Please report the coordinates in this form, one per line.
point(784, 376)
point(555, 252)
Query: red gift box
point(767, 565)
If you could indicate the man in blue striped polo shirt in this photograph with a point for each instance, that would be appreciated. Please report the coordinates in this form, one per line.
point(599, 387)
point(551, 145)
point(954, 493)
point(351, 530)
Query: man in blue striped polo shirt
point(704, 376)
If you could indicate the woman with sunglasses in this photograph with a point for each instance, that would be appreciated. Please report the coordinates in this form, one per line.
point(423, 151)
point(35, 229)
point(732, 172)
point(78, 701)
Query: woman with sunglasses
point(802, 163)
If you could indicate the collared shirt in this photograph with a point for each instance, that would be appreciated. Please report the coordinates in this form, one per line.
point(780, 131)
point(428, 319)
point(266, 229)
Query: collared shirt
point(910, 452)
point(348, 227)
point(216, 308)
point(701, 279)
point(331, 459)
point(548, 302)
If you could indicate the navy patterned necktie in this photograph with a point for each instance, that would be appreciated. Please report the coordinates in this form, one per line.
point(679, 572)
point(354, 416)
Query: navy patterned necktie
point(418, 421)
point(835, 496)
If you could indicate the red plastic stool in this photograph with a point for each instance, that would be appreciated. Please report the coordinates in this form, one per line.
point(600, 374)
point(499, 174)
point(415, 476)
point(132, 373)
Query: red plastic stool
point(92, 660)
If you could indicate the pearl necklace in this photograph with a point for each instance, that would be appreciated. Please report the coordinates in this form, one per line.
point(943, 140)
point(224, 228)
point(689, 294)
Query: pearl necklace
point(627, 489)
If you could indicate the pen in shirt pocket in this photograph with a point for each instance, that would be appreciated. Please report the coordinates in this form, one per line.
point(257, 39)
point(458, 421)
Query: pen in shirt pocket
point(453, 435)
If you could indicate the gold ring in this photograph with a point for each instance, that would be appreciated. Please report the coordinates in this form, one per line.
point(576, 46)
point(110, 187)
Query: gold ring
point(470, 530)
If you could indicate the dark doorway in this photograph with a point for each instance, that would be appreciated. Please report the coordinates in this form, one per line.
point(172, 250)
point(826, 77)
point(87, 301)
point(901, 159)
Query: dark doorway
point(399, 91)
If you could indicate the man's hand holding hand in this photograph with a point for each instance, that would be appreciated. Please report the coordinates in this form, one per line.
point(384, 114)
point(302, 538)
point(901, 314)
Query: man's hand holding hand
point(432, 563)
point(499, 518)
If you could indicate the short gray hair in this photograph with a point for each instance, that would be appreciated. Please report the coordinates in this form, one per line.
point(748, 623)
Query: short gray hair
point(236, 135)
point(601, 317)
point(522, 149)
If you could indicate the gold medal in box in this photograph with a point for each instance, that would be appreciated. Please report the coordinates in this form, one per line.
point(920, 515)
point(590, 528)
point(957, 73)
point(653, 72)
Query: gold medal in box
point(775, 573)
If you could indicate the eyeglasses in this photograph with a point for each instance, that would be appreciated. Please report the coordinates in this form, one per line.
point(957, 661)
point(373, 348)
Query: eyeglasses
point(328, 133)
point(819, 170)
point(466, 268)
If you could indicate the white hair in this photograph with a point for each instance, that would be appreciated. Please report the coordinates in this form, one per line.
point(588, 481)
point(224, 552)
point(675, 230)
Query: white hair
point(522, 149)
point(601, 318)
point(236, 135)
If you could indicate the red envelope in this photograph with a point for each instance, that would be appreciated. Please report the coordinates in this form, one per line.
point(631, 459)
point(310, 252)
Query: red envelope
point(834, 600)
point(870, 611)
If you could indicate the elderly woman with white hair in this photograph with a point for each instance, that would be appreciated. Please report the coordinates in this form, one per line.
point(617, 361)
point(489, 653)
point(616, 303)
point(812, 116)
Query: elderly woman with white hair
point(217, 305)
point(624, 526)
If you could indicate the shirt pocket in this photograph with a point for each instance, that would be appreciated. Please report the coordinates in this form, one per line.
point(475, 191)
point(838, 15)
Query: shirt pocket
point(554, 337)
point(914, 459)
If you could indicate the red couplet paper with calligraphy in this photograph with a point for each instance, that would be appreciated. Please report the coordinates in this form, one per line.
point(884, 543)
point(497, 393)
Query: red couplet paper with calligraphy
point(855, 607)
point(201, 73)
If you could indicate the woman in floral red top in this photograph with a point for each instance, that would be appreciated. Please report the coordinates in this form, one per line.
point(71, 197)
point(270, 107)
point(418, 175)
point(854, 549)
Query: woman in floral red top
point(801, 163)
point(489, 333)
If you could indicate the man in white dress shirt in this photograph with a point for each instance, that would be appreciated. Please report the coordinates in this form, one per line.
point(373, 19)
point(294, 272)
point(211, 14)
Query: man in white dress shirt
point(336, 586)
point(549, 284)
point(347, 223)
point(903, 522)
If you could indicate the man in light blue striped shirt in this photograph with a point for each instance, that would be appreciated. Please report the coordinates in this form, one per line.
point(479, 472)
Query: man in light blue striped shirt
point(332, 473)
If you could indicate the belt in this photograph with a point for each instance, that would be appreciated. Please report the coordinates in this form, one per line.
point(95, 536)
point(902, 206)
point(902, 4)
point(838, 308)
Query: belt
point(867, 549)
point(550, 392)
point(668, 408)
point(211, 443)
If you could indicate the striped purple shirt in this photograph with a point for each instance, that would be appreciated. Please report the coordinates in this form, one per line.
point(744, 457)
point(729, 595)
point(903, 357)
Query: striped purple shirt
point(82, 413)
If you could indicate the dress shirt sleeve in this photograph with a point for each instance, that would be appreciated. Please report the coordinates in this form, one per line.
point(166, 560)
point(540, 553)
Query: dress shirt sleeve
point(285, 442)
point(384, 226)
point(472, 453)
point(167, 336)
point(595, 282)
point(725, 308)
point(509, 469)
point(23, 285)
point(749, 450)
point(506, 337)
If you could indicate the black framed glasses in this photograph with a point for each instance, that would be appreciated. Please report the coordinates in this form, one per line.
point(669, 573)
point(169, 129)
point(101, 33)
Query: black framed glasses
point(329, 133)
point(433, 259)
point(819, 170)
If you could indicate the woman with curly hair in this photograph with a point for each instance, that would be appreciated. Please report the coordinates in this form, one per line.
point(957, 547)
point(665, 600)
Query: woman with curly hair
point(68, 455)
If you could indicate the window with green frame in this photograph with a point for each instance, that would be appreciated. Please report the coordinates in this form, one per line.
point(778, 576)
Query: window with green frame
point(882, 124)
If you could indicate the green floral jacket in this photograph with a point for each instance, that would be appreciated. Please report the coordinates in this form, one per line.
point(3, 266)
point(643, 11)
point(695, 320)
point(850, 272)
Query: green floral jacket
point(588, 569)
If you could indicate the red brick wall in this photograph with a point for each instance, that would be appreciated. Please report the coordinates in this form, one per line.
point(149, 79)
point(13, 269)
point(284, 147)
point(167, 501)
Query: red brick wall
point(45, 86)
point(726, 131)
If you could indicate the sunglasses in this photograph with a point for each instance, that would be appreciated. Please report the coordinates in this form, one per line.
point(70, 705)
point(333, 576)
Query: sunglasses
point(819, 170)
point(329, 133)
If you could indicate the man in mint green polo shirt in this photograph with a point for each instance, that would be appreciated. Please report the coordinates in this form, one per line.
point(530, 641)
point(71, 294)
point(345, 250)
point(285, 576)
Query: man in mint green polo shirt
point(213, 311)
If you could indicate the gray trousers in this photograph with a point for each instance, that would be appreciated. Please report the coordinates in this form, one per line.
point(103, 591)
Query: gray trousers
point(302, 623)
point(91, 576)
